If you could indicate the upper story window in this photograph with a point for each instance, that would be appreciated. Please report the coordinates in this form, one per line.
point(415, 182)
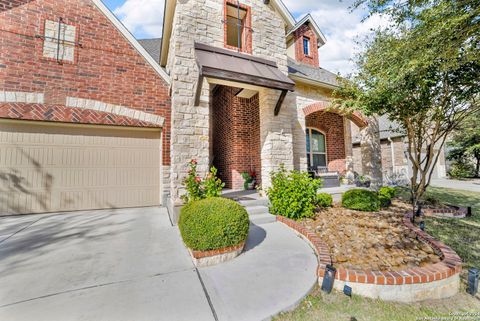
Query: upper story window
point(237, 26)
point(306, 46)
point(59, 41)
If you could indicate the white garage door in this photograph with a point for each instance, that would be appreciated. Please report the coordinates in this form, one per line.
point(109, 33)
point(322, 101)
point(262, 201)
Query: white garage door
point(50, 167)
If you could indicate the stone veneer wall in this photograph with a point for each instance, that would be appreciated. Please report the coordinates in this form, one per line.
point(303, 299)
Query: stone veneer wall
point(201, 21)
point(235, 135)
point(332, 126)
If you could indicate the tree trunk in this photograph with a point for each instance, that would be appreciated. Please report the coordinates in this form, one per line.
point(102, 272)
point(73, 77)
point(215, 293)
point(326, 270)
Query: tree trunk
point(477, 169)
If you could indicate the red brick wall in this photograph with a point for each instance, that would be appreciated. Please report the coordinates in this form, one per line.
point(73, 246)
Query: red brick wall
point(236, 135)
point(331, 125)
point(106, 68)
point(306, 31)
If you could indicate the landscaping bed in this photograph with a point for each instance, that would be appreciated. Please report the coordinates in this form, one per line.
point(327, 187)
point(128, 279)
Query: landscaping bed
point(371, 240)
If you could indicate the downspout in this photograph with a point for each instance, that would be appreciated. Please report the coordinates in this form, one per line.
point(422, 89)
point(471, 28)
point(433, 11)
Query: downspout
point(392, 152)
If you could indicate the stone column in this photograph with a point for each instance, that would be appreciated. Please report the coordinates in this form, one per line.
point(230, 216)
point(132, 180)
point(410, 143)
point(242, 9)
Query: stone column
point(299, 141)
point(372, 152)
point(276, 138)
point(347, 134)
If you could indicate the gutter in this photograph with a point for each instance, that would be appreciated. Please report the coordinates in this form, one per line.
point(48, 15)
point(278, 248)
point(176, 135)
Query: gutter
point(313, 82)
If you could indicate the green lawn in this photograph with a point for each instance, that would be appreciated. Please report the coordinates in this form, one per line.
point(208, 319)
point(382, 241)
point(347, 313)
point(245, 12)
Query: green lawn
point(463, 235)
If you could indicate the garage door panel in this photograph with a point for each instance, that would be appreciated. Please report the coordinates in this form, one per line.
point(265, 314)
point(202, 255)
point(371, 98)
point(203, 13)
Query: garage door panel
point(60, 168)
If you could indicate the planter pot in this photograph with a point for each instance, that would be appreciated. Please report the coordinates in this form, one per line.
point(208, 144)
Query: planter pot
point(251, 185)
point(213, 257)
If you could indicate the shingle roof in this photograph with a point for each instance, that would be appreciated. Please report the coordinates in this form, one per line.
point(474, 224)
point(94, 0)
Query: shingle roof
point(387, 129)
point(311, 73)
point(152, 46)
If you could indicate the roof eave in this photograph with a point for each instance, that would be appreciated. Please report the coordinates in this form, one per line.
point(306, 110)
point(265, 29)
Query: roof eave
point(313, 82)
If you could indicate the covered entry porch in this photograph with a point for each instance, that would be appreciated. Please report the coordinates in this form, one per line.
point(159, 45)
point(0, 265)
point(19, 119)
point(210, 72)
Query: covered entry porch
point(247, 121)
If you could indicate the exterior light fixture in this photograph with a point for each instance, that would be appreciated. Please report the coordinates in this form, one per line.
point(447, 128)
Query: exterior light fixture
point(473, 275)
point(266, 1)
point(328, 278)
point(347, 290)
point(422, 225)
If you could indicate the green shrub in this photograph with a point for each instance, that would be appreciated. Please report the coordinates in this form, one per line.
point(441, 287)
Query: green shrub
point(324, 200)
point(461, 170)
point(385, 195)
point(213, 223)
point(387, 191)
point(293, 194)
point(361, 200)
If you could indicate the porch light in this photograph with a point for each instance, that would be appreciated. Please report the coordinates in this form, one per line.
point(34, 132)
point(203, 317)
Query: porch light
point(422, 225)
point(347, 290)
point(473, 275)
point(329, 277)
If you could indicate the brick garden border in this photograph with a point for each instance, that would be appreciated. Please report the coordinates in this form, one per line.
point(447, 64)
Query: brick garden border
point(456, 212)
point(212, 257)
point(225, 250)
point(450, 264)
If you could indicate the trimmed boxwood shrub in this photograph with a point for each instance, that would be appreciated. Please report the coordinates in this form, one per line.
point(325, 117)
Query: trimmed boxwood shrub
point(324, 200)
point(213, 223)
point(361, 200)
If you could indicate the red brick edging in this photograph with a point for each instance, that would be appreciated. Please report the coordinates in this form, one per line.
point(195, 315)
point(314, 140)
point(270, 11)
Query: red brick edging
point(459, 212)
point(229, 249)
point(450, 265)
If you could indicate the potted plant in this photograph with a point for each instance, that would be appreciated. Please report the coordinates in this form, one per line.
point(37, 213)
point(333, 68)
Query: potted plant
point(363, 181)
point(249, 180)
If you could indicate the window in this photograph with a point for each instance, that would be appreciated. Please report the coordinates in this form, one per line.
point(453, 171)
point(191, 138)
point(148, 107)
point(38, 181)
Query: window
point(59, 41)
point(316, 149)
point(306, 46)
point(237, 26)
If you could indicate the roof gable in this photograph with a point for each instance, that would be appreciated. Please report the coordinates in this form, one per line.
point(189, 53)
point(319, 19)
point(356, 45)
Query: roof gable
point(131, 39)
point(309, 19)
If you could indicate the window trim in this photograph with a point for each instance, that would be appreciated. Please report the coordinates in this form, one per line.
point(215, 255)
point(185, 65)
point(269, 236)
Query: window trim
point(246, 45)
point(307, 47)
point(311, 153)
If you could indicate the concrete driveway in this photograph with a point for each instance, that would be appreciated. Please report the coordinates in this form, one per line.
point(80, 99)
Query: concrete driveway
point(131, 264)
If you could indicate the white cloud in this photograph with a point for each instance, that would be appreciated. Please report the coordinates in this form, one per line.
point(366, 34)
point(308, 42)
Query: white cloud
point(144, 18)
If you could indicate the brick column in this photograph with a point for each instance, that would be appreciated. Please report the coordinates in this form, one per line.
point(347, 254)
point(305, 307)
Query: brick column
point(372, 152)
point(276, 138)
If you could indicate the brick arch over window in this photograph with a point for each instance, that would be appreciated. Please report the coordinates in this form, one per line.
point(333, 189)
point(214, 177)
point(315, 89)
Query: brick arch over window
point(355, 117)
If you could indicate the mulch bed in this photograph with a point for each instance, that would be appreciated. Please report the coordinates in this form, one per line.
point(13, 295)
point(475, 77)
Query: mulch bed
point(371, 240)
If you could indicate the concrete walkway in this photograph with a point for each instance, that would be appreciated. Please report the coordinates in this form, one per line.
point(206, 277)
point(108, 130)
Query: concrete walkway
point(131, 264)
point(467, 185)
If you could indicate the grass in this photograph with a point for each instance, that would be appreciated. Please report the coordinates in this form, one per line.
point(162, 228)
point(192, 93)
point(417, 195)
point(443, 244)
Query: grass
point(462, 235)
point(338, 307)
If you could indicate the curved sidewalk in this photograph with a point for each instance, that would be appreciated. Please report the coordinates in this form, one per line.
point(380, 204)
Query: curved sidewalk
point(276, 270)
point(131, 264)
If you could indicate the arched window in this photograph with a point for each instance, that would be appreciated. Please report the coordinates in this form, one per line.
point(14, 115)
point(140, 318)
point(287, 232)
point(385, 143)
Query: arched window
point(316, 149)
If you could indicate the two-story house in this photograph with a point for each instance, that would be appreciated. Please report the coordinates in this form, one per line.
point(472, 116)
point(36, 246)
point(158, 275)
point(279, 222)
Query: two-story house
point(90, 120)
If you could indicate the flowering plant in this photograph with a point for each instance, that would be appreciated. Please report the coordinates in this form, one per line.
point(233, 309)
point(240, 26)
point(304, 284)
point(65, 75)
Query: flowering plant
point(198, 188)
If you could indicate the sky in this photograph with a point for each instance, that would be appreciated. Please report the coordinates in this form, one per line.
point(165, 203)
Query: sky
point(344, 29)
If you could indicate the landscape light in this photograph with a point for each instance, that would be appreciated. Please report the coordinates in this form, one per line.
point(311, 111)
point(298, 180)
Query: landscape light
point(328, 278)
point(473, 274)
point(422, 225)
point(347, 290)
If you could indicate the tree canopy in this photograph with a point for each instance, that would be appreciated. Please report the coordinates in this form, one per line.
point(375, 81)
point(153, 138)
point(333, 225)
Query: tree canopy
point(423, 71)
